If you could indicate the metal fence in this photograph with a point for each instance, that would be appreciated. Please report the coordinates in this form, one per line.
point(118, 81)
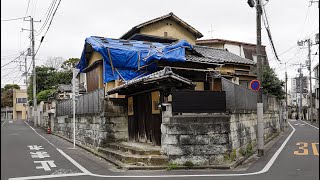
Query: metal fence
point(90, 103)
point(242, 98)
point(238, 97)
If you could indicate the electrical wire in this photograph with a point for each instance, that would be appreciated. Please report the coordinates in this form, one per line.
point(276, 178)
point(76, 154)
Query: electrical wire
point(14, 59)
point(27, 7)
point(266, 24)
point(13, 19)
point(42, 38)
point(48, 15)
point(10, 71)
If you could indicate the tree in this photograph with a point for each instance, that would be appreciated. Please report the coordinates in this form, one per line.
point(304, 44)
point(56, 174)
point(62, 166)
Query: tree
point(44, 95)
point(70, 63)
point(7, 94)
point(54, 62)
point(48, 78)
point(272, 84)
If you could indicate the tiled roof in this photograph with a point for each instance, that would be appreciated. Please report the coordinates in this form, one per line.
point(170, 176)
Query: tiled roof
point(170, 15)
point(165, 73)
point(214, 55)
point(68, 88)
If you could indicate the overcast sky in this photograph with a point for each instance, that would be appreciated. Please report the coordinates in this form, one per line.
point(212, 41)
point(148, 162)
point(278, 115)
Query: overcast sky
point(289, 20)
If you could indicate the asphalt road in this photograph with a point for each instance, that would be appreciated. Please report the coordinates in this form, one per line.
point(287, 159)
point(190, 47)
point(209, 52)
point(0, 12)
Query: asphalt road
point(294, 156)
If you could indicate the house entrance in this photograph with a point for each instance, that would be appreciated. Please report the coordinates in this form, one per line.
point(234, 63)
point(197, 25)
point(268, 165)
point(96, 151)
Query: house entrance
point(144, 118)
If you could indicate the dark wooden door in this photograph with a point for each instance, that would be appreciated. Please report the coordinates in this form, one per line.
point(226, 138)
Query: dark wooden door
point(143, 125)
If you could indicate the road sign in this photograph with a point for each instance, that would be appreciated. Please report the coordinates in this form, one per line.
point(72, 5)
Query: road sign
point(255, 85)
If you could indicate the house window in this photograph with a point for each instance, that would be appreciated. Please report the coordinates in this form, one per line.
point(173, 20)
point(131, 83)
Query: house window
point(21, 100)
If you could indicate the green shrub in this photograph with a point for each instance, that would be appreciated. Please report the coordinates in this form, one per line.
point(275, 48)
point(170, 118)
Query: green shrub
point(189, 164)
point(226, 156)
point(233, 155)
point(242, 152)
point(249, 148)
point(172, 166)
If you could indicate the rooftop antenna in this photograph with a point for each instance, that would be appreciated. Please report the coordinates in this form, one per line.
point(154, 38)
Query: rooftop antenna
point(211, 31)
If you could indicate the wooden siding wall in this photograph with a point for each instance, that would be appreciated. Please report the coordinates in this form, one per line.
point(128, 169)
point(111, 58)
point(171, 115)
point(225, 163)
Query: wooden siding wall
point(94, 78)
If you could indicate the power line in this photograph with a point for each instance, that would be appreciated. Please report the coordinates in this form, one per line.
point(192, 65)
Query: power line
point(27, 7)
point(13, 19)
point(10, 72)
point(266, 24)
point(42, 38)
point(47, 14)
point(14, 59)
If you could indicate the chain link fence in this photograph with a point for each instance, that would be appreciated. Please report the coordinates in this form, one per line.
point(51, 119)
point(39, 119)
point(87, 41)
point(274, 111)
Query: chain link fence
point(90, 103)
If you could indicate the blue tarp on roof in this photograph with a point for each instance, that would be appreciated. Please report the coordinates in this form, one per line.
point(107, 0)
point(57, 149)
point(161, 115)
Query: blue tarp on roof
point(127, 60)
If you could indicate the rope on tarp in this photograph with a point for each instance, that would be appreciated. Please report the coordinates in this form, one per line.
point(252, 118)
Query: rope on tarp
point(110, 61)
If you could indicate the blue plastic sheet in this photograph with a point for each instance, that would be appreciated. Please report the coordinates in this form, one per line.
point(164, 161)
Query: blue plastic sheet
point(130, 59)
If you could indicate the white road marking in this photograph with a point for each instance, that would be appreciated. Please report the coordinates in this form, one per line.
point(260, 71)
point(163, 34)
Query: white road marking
point(264, 170)
point(39, 154)
point(45, 165)
point(35, 147)
point(312, 125)
point(84, 170)
point(10, 121)
point(3, 123)
point(47, 176)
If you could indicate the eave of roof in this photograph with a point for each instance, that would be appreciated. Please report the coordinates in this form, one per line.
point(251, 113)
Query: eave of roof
point(162, 74)
point(222, 56)
point(135, 29)
point(206, 41)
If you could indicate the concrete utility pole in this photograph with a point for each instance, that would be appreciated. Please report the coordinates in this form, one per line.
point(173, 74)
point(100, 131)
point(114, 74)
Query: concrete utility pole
point(260, 124)
point(310, 79)
point(301, 89)
point(260, 133)
point(33, 72)
point(34, 76)
point(26, 71)
point(286, 92)
point(308, 64)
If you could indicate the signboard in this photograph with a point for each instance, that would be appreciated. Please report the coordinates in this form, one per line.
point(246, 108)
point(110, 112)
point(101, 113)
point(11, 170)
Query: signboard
point(255, 85)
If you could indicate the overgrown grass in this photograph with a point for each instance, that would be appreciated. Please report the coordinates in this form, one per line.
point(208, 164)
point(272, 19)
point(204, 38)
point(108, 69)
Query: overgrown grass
point(172, 166)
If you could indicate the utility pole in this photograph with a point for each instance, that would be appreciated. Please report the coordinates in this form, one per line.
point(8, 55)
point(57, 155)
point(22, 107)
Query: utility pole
point(34, 76)
point(310, 79)
point(33, 72)
point(286, 92)
point(301, 89)
point(308, 64)
point(26, 71)
point(260, 124)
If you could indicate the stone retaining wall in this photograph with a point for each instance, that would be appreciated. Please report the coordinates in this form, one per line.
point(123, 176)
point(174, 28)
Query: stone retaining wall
point(96, 130)
point(211, 139)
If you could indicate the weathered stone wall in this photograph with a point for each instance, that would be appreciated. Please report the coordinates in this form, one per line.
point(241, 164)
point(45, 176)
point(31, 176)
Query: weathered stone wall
point(210, 139)
point(243, 128)
point(201, 139)
point(96, 130)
